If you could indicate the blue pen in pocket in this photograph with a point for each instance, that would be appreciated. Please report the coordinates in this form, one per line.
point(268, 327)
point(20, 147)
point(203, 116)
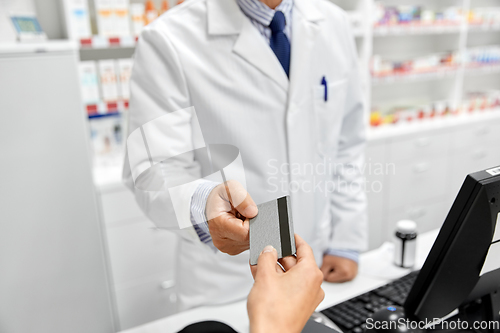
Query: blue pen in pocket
point(324, 83)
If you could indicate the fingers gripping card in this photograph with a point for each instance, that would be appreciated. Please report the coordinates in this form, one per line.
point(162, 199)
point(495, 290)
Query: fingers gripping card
point(272, 226)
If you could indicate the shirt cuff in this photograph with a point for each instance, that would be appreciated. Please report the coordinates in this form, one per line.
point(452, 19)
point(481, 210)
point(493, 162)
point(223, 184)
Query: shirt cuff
point(198, 206)
point(348, 254)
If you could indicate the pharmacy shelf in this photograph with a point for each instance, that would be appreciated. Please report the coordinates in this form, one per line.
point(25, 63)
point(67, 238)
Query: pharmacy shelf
point(414, 29)
point(419, 29)
point(417, 126)
point(100, 48)
point(451, 35)
point(101, 42)
point(102, 109)
point(437, 75)
point(414, 77)
point(483, 69)
point(484, 27)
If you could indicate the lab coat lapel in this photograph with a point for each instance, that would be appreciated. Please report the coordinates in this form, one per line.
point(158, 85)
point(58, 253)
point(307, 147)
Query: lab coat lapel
point(226, 18)
point(304, 32)
point(251, 46)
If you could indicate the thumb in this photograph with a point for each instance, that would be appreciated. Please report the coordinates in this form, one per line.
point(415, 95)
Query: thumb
point(240, 199)
point(266, 264)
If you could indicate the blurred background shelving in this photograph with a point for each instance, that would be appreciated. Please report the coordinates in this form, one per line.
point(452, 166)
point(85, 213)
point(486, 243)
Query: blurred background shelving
point(411, 53)
point(431, 74)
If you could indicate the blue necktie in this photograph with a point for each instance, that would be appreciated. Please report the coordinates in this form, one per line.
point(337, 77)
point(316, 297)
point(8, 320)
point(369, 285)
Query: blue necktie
point(279, 42)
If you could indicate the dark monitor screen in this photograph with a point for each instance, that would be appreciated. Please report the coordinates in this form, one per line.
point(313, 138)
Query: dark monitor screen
point(464, 261)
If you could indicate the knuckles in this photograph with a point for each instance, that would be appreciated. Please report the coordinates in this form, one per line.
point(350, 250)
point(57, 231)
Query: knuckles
point(314, 275)
point(223, 247)
point(318, 277)
point(220, 245)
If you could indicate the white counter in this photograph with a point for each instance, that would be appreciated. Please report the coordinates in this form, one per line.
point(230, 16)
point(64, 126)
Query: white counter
point(235, 314)
point(38, 47)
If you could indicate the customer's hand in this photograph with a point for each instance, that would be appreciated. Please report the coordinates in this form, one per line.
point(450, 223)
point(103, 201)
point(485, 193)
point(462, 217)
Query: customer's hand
point(338, 269)
point(283, 301)
point(229, 223)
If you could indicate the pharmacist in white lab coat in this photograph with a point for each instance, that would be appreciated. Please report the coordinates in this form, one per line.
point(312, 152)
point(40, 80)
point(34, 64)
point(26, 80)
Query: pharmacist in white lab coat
point(281, 85)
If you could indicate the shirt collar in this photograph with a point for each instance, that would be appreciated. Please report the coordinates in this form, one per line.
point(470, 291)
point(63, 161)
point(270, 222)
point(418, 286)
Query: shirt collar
point(259, 12)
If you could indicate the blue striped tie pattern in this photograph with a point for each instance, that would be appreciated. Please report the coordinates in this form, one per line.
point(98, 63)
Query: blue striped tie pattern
point(279, 42)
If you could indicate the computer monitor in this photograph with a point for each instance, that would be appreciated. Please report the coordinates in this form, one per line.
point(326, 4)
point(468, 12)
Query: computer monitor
point(463, 265)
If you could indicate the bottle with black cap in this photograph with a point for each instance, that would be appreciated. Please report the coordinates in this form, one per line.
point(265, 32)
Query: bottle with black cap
point(405, 243)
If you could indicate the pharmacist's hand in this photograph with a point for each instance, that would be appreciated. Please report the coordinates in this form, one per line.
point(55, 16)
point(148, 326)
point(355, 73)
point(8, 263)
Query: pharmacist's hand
point(283, 301)
point(338, 269)
point(228, 226)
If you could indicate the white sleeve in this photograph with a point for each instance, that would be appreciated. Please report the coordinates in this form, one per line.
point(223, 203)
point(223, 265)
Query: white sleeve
point(158, 87)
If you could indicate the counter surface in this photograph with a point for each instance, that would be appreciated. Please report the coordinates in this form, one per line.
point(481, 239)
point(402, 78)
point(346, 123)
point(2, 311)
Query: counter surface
point(235, 314)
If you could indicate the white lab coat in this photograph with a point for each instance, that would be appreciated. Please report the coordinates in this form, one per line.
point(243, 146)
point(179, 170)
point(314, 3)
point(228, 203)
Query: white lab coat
point(207, 54)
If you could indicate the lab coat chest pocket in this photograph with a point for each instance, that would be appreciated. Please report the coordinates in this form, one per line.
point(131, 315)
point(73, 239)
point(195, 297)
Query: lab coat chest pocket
point(329, 113)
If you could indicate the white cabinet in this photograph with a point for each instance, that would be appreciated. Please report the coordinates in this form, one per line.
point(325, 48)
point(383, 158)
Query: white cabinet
point(428, 214)
point(475, 147)
point(53, 269)
point(417, 180)
point(426, 144)
point(471, 160)
point(142, 259)
point(145, 301)
point(424, 171)
point(476, 135)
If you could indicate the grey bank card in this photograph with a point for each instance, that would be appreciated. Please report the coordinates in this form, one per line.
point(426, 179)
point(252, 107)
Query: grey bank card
point(272, 226)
